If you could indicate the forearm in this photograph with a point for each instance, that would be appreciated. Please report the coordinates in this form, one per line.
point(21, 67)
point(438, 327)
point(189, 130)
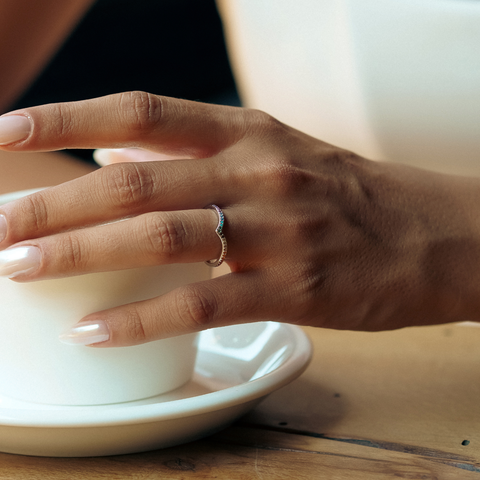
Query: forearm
point(30, 34)
point(426, 231)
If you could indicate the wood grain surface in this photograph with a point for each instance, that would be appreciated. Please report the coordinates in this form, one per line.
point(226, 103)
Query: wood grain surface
point(402, 404)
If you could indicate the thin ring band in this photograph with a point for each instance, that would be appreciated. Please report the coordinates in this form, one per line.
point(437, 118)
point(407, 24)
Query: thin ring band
point(221, 236)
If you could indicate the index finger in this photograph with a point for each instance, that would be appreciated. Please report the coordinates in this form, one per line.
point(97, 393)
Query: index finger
point(138, 119)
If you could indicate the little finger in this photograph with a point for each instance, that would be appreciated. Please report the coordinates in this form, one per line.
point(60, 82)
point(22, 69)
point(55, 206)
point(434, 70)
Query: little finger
point(233, 298)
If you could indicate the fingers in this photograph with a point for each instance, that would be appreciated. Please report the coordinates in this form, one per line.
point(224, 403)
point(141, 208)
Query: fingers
point(150, 239)
point(137, 119)
point(114, 192)
point(232, 298)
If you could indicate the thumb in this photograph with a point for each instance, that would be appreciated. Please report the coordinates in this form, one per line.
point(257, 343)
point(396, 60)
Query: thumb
point(108, 156)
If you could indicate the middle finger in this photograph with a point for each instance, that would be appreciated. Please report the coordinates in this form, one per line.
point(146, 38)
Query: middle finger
point(115, 192)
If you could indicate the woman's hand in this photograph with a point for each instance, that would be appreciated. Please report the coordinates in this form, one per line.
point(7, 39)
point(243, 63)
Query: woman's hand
point(316, 235)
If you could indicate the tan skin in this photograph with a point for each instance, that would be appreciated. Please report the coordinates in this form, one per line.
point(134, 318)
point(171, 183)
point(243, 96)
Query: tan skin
point(316, 235)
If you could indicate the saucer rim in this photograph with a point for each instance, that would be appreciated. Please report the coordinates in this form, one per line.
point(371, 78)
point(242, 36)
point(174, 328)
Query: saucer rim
point(88, 416)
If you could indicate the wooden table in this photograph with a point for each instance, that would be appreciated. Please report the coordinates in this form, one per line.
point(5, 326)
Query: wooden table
point(403, 404)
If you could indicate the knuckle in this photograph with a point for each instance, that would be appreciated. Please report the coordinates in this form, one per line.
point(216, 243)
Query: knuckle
point(306, 286)
point(142, 110)
point(166, 236)
point(339, 158)
point(285, 178)
point(134, 328)
point(128, 185)
point(196, 306)
point(309, 283)
point(72, 252)
point(64, 125)
point(265, 125)
point(36, 213)
point(264, 119)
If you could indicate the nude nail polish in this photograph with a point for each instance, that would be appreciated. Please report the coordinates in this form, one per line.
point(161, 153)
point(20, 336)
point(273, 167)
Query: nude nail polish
point(102, 156)
point(19, 260)
point(14, 128)
point(86, 333)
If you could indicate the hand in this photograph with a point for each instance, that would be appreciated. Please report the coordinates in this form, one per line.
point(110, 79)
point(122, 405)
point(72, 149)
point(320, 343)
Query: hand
point(316, 235)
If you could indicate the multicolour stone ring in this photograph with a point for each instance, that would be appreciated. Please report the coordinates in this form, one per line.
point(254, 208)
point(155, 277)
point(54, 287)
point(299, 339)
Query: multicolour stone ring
point(221, 236)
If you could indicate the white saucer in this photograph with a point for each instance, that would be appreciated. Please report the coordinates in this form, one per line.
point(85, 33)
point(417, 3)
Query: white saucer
point(236, 368)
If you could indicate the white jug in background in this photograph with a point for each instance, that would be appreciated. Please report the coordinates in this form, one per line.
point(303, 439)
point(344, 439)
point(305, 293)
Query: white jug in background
point(393, 80)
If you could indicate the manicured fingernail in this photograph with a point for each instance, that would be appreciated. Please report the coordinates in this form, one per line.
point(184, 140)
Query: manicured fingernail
point(86, 333)
point(3, 227)
point(102, 156)
point(106, 156)
point(14, 128)
point(19, 260)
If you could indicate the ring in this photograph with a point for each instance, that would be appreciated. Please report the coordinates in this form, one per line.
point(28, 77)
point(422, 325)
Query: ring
point(221, 236)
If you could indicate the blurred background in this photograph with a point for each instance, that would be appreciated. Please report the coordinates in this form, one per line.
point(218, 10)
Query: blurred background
point(184, 55)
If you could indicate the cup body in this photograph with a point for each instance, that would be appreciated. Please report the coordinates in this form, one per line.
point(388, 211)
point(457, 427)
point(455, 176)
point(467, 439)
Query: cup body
point(37, 367)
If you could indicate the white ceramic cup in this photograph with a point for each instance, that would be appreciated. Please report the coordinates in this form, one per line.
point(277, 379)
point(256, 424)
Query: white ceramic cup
point(37, 367)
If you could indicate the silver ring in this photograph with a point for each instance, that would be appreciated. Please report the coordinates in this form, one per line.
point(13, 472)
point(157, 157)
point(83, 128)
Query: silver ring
point(221, 236)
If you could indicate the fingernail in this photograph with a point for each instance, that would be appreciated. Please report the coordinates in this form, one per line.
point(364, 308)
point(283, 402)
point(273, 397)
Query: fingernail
point(102, 156)
point(3, 227)
point(19, 260)
point(106, 156)
point(14, 128)
point(86, 333)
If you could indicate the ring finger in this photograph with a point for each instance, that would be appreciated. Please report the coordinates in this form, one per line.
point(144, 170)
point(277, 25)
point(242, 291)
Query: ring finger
point(149, 239)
